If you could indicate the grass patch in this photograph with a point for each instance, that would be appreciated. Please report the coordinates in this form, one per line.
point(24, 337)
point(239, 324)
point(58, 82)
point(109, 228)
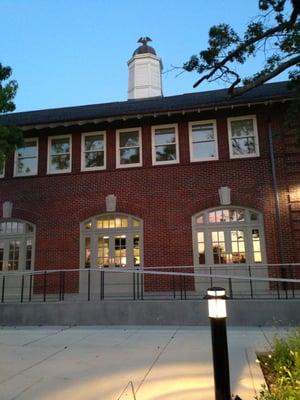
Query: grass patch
point(281, 369)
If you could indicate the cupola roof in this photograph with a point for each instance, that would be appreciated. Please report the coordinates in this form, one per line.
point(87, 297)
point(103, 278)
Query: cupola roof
point(144, 48)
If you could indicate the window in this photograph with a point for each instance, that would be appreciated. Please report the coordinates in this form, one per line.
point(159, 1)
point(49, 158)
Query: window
point(2, 170)
point(129, 148)
point(243, 137)
point(93, 151)
point(16, 246)
point(228, 236)
point(26, 159)
point(59, 154)
point(203, 141)
point(165, 144)
point(112, 241)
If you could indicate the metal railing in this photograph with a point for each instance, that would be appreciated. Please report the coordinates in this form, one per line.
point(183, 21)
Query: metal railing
point(157, 283)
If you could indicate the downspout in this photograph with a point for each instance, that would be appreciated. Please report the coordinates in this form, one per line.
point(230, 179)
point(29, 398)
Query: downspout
point(276, 195)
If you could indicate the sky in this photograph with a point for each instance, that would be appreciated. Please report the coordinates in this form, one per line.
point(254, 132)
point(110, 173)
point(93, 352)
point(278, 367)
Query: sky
point(75, 52)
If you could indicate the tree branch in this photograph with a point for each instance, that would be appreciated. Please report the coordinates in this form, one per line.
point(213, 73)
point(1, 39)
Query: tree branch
point(241, 47)
point(259, 81)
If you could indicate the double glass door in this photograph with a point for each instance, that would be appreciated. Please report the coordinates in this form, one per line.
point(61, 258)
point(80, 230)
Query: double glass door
point(117, 250)
point(229, 246)
point(15, 254)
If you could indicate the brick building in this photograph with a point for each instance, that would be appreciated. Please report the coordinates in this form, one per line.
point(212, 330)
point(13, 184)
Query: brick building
point(190, 180)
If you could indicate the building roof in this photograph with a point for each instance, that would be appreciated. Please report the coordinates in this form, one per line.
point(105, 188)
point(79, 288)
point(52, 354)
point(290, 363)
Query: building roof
point(144, 49)
point(191, 101)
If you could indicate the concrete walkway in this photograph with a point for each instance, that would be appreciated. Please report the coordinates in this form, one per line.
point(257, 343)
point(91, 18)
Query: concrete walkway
point(124, 363)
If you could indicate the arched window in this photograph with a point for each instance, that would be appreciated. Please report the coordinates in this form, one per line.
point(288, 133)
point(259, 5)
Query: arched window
point(229, 235)
point(111, 240)
point(16, 245)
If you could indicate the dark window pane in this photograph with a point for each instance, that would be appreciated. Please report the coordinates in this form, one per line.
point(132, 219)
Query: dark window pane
point(94, 159)
point(130, 156)
point(59, 146)
point(242, 128)
point(129, 139)
point(94, 142)
point(59, 163)
point(243, 146)
point(166, 153)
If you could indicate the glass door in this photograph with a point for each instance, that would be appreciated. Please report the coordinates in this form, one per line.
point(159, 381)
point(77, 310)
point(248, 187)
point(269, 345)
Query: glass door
point(228, 246)
point(112, 251)
point(9, 255)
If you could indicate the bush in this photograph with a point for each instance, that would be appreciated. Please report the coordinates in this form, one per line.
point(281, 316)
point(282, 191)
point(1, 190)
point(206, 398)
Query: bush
point(281, 368)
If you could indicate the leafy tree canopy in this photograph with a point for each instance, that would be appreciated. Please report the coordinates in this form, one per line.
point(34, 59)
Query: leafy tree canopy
point(10, 137)
point(275, 32)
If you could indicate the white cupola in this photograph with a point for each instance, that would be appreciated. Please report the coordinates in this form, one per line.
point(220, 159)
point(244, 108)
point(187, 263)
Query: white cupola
point(144, 72)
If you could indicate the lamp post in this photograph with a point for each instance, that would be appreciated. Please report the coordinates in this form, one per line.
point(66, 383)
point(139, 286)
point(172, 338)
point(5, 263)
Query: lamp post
point(217, 313)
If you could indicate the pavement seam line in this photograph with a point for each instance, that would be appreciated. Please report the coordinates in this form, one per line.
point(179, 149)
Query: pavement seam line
point(31, 366)
point(26, 389)
point(156, 359)
point(45, 337)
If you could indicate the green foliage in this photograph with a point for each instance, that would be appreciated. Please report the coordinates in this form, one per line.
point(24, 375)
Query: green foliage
point(10, 137)
point(282, 365)
point(275, 33)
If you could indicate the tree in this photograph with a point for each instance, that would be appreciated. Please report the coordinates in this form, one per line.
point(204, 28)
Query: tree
point(275, 32)
point(10, 136)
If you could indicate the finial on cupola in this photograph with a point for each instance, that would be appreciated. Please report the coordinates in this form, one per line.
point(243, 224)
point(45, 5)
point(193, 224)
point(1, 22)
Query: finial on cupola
point(144, 71)
point(144, 40)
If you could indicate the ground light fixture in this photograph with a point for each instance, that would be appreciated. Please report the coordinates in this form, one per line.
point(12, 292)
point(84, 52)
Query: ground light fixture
point(217, 314)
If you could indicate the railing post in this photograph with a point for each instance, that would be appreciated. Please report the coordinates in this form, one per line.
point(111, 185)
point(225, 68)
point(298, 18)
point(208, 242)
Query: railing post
point(278, 292)
point(3, 289)
point(181, 292)
point(230, 288)
point(30, 288)
point(63, 286)
point(292, 277)
point(211, 279)
point(89, 284)
point(137, 285)
point(250, 280)
point(173, 281)
point(184, 287)
point(45, 285)
point(142, 285)
point(133, 283)
point(60, 285)
point(102, 285)
point(22, 289)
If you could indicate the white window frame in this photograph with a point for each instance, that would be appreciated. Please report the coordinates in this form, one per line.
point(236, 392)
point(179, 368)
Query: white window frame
point(206, 122)
point(93, 233)
point(153, 129)
point(83, 135)
point(22, 237)
point(244, 117)
point(64, 171)
point(2, 175)
point(16, 174)
point(247, 226)
point(118, 131)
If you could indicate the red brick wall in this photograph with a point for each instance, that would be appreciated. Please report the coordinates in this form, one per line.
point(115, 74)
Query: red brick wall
point(164, 197)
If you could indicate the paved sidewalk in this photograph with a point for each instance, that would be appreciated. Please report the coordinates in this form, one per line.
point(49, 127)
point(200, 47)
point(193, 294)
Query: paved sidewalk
point(124, 363)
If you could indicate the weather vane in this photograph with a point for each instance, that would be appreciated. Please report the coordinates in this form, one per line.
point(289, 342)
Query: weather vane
point(144, 40)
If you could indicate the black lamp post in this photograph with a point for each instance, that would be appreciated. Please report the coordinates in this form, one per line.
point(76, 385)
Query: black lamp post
point(217, 313)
